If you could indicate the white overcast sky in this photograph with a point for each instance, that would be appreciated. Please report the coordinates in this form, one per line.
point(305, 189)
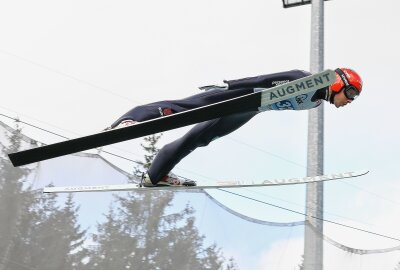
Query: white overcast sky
point(73, 67)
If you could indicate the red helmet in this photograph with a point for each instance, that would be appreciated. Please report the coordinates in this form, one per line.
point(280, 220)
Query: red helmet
point(345, 78)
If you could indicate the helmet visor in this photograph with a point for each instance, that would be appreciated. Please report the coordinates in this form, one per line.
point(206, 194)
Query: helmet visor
point(351, 92)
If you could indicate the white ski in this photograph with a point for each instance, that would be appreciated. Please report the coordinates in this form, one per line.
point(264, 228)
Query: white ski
point(219, 184)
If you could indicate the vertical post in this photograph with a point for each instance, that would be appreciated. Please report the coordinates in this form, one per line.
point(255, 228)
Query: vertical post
point(313, 242)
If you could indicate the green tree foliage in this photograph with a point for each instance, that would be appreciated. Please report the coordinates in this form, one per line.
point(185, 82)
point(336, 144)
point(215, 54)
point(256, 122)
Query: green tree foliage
point(145, 231)
point(14, 202)
point(232, 265)
point(35, 231)
point(142, 236)
point(301, 265)
point(151, 150)
point(112, 250)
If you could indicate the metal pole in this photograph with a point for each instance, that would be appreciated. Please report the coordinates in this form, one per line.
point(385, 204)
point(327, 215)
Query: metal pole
point(313, 242)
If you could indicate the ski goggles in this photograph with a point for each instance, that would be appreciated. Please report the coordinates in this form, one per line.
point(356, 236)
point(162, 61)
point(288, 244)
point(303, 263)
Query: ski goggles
point(350, 91)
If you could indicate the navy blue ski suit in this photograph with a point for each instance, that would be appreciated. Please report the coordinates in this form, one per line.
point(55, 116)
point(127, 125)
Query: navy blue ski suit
point(203, 133)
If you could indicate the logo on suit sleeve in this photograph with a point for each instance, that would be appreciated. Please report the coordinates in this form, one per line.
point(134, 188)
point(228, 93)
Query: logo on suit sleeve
point(165, 111)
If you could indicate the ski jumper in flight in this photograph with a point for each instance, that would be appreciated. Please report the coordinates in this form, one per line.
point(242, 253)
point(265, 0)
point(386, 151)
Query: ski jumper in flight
point(344, 90)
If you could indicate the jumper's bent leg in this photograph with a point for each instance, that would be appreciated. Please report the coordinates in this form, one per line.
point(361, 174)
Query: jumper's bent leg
point(200, 135)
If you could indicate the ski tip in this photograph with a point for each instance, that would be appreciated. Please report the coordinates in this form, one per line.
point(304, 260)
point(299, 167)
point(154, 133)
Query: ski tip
point(14, 160)
point(357, 173)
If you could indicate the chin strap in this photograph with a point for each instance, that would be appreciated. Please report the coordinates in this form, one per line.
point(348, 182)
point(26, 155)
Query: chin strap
point(324, 94)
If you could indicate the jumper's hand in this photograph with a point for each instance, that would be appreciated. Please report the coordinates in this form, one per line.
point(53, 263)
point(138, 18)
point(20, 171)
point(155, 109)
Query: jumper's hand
point(214, 87)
